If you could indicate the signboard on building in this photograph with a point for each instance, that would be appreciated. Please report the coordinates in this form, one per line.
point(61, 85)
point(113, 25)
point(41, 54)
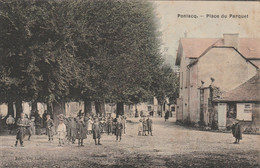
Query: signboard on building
point(244, 111)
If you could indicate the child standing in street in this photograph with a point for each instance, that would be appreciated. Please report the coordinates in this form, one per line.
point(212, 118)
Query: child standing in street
point(49, 125)
point(81, 131)
point(145, 127)
point(140, 127)
point(96, 131)
point(237, 131)
point(61, 130)
point(149, 125)
point(119, 129)
point(22, 124)
point(31, 128)
point(89, 125)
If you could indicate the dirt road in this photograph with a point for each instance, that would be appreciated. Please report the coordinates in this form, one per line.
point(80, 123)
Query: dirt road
point(171, 146)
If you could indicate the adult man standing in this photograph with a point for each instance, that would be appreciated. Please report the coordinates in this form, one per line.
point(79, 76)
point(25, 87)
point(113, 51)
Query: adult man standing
point(10, 123)
point(22, 124)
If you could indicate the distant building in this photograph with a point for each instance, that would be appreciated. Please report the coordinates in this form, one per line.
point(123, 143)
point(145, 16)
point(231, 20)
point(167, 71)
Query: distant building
point(207, 64)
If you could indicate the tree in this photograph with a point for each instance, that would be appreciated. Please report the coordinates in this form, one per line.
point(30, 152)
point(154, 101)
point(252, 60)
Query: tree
point(166, 85)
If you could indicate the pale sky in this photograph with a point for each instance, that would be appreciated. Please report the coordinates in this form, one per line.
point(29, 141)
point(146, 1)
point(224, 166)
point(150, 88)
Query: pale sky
point(173, 28)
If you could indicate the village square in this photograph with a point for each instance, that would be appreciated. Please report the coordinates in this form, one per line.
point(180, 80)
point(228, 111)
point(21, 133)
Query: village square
point(122, 84)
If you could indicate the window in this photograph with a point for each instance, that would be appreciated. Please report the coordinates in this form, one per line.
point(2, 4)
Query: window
point(181, 79)
point(187, 78)
point(244, 111)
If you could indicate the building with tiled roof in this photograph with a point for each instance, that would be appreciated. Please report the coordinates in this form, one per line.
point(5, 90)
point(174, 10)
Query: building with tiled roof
point(248, 92)
point(226, 63)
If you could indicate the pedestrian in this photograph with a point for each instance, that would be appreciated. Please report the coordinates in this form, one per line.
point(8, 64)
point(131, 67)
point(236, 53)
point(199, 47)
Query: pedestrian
point(140, 127)
point(96, 131)
point(49, 127)
point(72, 132)
point(61, 130)
point(123, 120)
point(150, 126)
point(10, 123)
point(81, 131)
point(119, 128)
point(114, 126)
point(22, 124)
point(237, 131)
point(145, 127)
point(166, 116)
point(31, 128)
point(89, 125)
point(109, 125)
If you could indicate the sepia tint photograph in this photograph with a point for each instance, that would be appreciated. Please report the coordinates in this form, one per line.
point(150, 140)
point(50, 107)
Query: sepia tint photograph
point(129, 84)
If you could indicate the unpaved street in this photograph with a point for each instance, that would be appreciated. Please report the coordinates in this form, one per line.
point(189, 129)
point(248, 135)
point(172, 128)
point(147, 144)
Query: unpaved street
point(171, 146)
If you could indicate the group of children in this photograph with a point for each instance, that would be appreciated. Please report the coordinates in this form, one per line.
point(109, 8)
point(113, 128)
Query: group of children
point(25, 125)
point(145, 126)
point(70, 129)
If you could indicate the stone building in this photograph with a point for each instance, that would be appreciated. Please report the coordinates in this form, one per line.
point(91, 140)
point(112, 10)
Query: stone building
point(205, 64)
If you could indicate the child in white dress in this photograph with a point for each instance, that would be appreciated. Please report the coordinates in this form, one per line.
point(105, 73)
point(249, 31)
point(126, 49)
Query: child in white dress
point(61, 130)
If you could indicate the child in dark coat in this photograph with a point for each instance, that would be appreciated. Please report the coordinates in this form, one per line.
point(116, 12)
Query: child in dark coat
point(22, 124)
point(237, 132)
point(49, 126)
point(81, 131)
point(96, 131)
point(119, 129)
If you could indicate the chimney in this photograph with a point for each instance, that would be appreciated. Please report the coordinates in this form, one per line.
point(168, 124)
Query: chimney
point(231, 40)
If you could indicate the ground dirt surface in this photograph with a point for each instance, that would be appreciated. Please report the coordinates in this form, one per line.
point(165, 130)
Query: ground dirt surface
point(171, 146)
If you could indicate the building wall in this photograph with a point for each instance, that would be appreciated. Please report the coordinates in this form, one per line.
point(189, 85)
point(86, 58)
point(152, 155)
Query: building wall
point(226, 66)
point(194, 96)
point(184, 89)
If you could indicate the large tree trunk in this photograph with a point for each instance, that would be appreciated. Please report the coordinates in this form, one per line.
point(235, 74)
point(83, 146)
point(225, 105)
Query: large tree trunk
point(34, 108)
point(87, 107)
point(19, 108)
point(100, 108)
point(50, 108)
point(10, 109)
point(58, 108)
point(119, 109)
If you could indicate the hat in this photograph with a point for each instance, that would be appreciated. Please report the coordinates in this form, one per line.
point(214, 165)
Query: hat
point(61, 117)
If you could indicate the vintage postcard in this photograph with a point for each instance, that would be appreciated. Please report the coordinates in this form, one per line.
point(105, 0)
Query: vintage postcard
point(129, 83)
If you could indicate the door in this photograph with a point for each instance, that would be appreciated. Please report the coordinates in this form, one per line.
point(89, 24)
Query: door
point(222, 115)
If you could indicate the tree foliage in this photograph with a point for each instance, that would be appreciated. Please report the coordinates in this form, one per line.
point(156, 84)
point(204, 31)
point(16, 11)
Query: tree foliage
point(80, 50)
